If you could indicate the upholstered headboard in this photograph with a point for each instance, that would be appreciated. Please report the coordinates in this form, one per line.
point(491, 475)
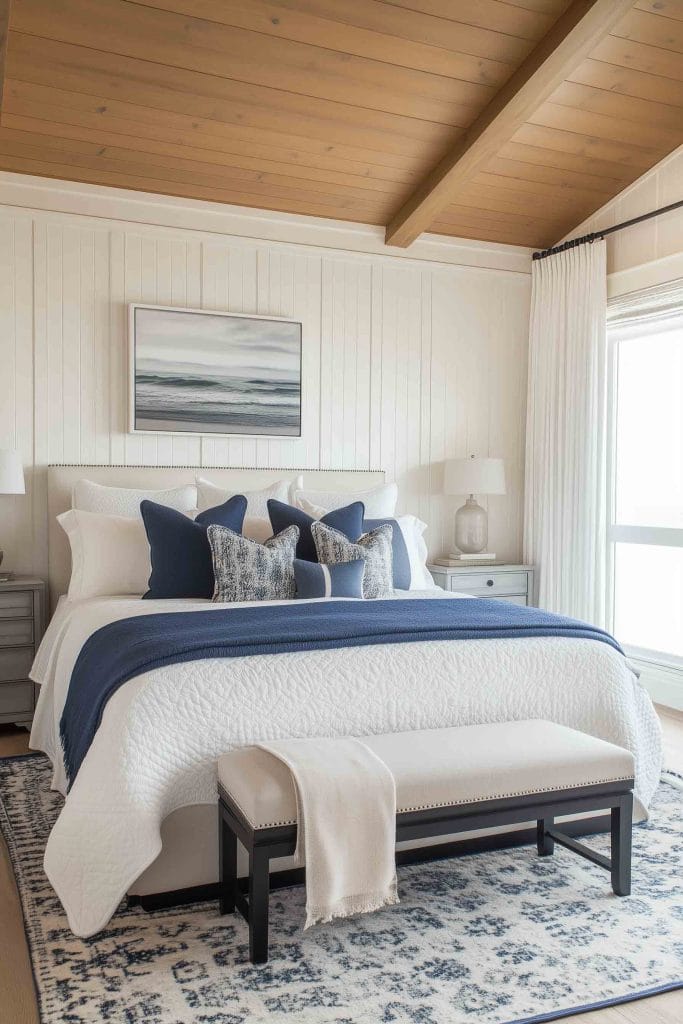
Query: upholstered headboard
point(61, 480)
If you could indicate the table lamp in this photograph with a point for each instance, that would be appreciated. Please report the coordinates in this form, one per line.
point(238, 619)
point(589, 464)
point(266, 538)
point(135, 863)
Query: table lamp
point(473, 476)
point(11, 482)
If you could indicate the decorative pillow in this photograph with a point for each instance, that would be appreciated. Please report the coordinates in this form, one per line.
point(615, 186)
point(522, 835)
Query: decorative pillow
point(409, 552)
point(375, 547)
point(210, 494)
point(109, 554)
point(247, 571)
point(409, 549)
point(125, 501)
point(379, 502)
point(180, 552)
point(348, 520)
point(345, 579)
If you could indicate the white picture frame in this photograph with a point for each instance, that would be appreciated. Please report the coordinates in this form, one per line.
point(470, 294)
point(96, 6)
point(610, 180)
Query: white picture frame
point(174, 383)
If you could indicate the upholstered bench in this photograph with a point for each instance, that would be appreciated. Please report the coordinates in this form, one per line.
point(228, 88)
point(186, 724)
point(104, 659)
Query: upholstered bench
point(447, 781)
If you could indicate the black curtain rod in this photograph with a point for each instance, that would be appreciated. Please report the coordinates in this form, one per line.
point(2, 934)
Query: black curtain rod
point(607, 231)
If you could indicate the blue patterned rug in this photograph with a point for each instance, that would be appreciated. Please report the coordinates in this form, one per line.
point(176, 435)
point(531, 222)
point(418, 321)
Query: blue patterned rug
point(489, 938)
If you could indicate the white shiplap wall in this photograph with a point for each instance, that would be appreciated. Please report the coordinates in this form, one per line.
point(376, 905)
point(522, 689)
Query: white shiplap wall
point(407, 361)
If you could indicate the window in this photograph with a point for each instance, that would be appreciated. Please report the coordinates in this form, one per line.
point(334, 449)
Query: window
point(646, 520)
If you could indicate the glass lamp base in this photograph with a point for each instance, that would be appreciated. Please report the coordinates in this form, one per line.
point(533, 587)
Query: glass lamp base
point(471, 528)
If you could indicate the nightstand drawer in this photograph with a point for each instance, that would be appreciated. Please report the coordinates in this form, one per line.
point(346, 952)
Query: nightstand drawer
point(16, 604)
point(15, 632)
point(15, 663)
point(16, 698)
point(490, 584)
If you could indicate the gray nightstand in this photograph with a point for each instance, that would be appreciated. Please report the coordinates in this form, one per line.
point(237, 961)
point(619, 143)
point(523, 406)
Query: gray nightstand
point(499, 579)
point(22, 621)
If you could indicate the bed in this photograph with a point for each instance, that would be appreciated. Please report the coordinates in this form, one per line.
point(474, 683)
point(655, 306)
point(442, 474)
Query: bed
point(141, 812)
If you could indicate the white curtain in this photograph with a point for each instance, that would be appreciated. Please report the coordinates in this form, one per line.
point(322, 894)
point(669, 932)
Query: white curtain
point(565, 504)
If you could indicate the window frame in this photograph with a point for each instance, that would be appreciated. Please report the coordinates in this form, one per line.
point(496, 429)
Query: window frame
point(651, 536)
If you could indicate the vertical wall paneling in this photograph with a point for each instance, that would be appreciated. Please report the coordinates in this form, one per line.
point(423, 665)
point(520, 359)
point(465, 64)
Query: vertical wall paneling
point(405, 362)
point(70, 309)
point(187, 450)
point(101, 350)
point(88, 388)
point(358, 454)
point(118, 349)
point(40, 456)
point(376, 369)
point(55, 349)
point(423, 482)
point(307, 304)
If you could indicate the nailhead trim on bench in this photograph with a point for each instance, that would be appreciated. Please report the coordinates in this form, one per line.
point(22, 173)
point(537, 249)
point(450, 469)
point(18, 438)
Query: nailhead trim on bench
point(445, 803)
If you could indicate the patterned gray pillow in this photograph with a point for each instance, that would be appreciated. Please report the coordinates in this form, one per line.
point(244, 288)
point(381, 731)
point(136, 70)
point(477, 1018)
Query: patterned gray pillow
point(248, 571)
point(374, 547)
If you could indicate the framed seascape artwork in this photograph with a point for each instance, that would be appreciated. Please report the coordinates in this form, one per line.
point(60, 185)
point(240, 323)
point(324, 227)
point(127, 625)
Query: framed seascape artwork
point(200, 372)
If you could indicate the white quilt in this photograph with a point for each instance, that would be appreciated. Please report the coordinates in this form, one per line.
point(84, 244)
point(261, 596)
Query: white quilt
point(161, 733)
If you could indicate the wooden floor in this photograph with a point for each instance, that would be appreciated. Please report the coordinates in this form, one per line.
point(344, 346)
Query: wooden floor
point(17, 999)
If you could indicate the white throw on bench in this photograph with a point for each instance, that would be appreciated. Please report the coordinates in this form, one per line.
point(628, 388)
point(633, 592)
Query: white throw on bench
point(447, 781)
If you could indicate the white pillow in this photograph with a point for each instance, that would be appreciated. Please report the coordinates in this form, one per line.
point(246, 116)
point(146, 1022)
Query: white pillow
point(412, 529)
point(210, 495)
point(109, 554)
point(125, 501)
point(379, 502)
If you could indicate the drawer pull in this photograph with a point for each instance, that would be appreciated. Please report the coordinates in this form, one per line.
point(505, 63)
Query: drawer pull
point(489, 583)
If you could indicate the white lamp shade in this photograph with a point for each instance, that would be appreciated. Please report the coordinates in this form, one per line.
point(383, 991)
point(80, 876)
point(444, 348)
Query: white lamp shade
point(11, 472)
point(474, 476)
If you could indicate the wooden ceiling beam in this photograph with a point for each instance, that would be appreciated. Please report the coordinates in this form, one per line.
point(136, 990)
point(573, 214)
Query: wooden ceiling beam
point(561, 50)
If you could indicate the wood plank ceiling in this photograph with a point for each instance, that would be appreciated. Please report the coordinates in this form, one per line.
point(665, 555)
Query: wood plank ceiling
point(337, 108)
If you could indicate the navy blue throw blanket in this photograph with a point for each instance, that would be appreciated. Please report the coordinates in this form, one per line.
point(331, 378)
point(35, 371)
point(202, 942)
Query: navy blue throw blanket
point(127, 648)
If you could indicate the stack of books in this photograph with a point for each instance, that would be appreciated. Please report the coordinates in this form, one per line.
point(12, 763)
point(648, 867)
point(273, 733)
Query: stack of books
point(481, 558)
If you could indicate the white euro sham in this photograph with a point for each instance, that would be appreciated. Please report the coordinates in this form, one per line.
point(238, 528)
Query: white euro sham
point(379, 501)
point(125, 501)
point(209, 495)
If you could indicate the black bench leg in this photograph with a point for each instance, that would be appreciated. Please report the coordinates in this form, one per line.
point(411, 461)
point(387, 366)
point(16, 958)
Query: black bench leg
point(545, 844)
point(622, 822)
point(227, 842)
point(259, 887)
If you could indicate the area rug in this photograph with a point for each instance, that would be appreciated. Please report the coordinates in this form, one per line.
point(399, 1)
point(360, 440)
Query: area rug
point(490, 938)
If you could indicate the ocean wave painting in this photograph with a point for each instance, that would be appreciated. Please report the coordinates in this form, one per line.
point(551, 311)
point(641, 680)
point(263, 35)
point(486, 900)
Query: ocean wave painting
point(211, 373)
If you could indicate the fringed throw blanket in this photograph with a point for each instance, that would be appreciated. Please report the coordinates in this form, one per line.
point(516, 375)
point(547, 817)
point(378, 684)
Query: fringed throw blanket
point(346, 810)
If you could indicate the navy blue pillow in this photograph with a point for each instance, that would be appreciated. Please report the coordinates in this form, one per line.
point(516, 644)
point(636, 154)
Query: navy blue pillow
point(344, 579)
point(348, 520)
point(180, 552)
point(400, 559)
